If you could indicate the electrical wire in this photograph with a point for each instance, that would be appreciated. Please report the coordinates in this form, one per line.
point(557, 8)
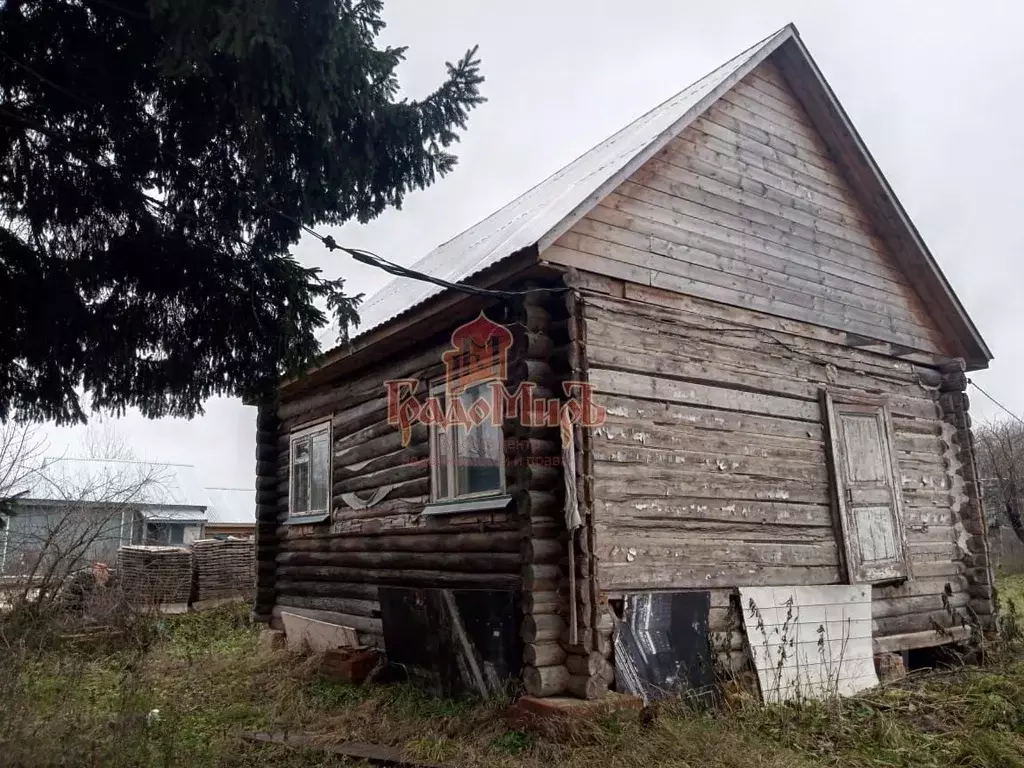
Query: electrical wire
point(1005, 410)
point(373, 260)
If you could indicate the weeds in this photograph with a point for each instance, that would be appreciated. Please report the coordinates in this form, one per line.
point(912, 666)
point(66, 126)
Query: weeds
point(431, 749)
point(513, 743)
point(210, 681)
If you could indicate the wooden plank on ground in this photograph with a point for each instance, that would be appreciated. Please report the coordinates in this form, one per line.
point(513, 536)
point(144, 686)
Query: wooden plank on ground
point(378, 754)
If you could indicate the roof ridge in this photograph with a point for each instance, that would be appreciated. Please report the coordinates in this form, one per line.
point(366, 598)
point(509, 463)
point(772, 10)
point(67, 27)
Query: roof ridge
point(565, 166)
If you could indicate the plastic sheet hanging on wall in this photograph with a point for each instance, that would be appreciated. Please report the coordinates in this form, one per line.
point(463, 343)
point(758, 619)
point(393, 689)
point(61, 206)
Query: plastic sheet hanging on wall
point(453, 641)
point(662, 646)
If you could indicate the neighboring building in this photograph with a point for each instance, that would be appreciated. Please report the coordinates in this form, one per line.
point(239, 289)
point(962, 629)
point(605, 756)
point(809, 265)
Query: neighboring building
point(231, 512)
point(81, 510)
point(780, 368)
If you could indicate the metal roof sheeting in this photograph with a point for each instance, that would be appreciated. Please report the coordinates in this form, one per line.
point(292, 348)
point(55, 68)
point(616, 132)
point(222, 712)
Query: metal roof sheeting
point(123, 482)
point(231, 506)
point(530, 217)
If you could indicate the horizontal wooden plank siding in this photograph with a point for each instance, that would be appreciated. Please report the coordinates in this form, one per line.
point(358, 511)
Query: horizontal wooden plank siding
point(747, 208)
point(711, 469)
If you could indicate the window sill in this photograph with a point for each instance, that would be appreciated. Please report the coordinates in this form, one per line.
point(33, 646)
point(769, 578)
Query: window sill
point(319, 517)
point(481, 504)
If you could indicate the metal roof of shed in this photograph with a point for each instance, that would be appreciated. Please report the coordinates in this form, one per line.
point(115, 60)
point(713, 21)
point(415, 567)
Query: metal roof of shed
point(140, 483)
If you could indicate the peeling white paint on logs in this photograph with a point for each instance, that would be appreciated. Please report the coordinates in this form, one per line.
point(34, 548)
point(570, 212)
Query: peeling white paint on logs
point(737, 478)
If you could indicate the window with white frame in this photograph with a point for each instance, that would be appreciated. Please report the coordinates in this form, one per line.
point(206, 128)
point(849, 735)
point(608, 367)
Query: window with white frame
point(310, 471)
point(466, 462)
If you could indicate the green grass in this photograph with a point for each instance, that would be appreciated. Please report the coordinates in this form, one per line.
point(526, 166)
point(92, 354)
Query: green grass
point(211, 680)
point(1011, 588)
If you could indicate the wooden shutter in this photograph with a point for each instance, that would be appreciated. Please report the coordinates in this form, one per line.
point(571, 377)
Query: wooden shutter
point(867, 490)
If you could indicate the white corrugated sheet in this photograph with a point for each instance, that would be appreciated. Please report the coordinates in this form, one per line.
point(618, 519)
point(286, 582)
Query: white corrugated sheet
point(172, 515)
point(527, 219)
point(810, 642)
point(231, 506)
point(96, 480)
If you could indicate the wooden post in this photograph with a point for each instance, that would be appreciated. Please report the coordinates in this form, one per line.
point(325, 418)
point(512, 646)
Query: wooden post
point(587, 638)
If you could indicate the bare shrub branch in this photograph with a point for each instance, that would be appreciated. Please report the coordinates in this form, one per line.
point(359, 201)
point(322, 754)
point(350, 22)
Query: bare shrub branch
point(1000, 452)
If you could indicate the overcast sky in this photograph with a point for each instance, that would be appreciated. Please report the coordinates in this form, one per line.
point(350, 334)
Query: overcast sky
point(933, 88)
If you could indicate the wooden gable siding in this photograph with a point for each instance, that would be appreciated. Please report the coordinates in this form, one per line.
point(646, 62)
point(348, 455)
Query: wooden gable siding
point(746, 207)
point(711, 471)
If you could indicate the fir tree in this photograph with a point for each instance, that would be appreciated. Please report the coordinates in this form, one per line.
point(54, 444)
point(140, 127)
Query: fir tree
point(158, 158)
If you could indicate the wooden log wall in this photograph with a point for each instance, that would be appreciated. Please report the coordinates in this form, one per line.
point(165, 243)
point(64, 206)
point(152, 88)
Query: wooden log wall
point(711, 470)
point(333, 570)
point(266, 510)
point(533, 458)
point(973, 538)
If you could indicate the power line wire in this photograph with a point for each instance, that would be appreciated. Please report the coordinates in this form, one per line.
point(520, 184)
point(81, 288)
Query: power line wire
point(1006, 410)
point(372, 259)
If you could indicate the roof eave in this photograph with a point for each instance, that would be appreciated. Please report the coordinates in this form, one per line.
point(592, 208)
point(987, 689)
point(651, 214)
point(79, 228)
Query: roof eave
point(417, 322)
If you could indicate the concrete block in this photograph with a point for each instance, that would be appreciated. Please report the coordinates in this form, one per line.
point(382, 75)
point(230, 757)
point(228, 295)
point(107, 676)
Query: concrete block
point(309, 635)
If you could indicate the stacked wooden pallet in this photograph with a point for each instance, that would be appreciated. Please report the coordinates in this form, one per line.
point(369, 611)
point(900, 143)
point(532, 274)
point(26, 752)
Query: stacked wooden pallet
point(155, 575)
point(224, 568)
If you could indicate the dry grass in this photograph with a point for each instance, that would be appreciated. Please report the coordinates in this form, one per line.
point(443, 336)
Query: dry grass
point(210, 680)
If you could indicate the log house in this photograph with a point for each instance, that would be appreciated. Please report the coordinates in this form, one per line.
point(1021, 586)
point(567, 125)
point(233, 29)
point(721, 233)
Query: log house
point(779, 359)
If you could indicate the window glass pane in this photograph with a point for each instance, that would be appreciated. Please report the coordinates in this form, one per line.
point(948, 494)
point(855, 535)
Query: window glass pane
point(300, 475)
point(320, 462)
point(440, 462)
point(479, 455)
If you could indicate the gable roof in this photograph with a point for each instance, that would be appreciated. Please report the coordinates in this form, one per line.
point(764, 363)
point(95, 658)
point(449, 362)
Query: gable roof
point(532, 215)
point(539, 216)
